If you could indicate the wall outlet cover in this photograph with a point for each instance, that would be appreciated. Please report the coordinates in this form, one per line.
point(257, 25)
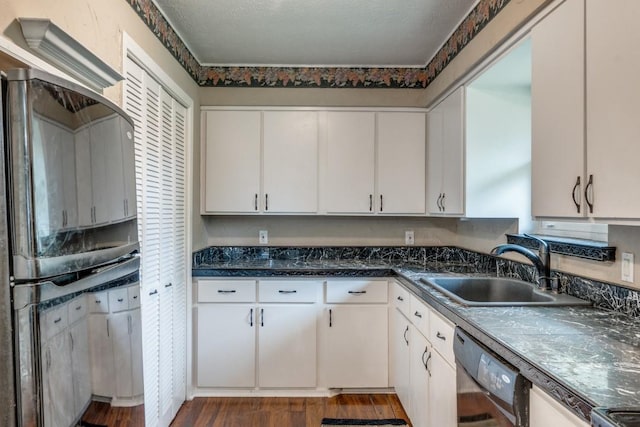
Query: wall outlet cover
point(263, 237)
point(409, 238)
point(627, 267)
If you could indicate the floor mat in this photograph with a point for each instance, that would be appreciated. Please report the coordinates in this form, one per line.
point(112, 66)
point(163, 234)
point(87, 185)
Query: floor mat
point(346, 422)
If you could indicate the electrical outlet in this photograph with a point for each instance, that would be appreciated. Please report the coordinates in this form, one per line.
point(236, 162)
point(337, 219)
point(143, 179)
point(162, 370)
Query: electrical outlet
point(409, 238)
point(627, 267)
point(263, 237)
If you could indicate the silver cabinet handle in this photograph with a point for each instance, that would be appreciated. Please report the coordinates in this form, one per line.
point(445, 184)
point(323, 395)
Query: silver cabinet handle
point(225, 291)
point(573, 194)
point(370, 202)
point(287, 292)
point(251, 318)
point(262, 317)
point(357, 292)
point(255, 202)
point(381, 203)
point(418, 314)
point(440, 336)
point(405, 335)
point(266, 202)
point(400, 298)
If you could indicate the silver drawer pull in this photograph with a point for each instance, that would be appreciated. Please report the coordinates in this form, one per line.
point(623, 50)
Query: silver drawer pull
point(135, 297)
point(417, 314)
point(357, 292)
point(400, 298)
point(78, 307)
point(120, 299)
point(98, 301)
point(442, 337)
point(58, 320)
point(223, 291)
point(287, 292)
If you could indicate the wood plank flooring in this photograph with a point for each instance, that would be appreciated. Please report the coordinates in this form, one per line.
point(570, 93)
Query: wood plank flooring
point(258, 411)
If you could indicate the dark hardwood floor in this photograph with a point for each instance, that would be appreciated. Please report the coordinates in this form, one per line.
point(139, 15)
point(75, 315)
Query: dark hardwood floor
point(258, 411)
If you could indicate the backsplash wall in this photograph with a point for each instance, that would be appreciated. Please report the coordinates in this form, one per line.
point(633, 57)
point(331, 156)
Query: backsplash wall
point(478, 235)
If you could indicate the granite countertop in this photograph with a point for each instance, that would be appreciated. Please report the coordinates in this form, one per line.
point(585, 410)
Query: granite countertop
point(584, 356)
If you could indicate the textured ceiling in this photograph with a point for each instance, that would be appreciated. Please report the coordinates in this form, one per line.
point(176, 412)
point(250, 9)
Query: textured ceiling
point(315, 32)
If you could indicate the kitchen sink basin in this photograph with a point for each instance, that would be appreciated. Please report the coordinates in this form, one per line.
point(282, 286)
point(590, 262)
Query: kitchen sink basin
point(496, 291)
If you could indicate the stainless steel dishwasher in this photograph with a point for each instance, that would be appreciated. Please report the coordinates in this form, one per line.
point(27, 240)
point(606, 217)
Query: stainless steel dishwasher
point(490, 392)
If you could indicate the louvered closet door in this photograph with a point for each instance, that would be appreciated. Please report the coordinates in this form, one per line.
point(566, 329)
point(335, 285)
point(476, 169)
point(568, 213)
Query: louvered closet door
point(180, 268)
point(160, 141)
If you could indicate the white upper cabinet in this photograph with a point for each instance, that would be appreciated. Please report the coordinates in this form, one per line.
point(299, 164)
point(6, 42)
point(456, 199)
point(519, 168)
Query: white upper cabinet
point(350, 164)
point(290, 161)
point(232, 162)
point(401, 163)
point(301, 161)
point(585, 123)
point(613, 103)
point(445, 144)
point(557, 113)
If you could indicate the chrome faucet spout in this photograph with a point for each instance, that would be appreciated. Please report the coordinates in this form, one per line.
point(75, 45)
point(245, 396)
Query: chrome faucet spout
point(541, 260)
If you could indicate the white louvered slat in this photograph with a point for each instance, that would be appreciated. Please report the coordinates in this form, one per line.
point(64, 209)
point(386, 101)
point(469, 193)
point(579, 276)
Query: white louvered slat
point(160, 149)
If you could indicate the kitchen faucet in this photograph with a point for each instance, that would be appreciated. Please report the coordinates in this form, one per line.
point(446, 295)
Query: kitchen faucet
point(541, 260)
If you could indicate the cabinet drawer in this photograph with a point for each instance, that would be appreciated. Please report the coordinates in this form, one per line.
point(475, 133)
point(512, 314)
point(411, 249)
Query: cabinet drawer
point(77, 309)
point(289, 291)
point(419, 316)
point(54, 321)
point(133, 292)
point(400, 297)
point(118, 300)
point(98, 302)
point(226, 290)
point(441, 336)
point(357, 291)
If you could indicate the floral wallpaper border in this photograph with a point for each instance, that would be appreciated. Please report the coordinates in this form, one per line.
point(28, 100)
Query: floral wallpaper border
point(318, 77)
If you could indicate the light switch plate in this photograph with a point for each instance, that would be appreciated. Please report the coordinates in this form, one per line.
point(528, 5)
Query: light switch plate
point(263, 237)
point(409, 238)
point(627, 267)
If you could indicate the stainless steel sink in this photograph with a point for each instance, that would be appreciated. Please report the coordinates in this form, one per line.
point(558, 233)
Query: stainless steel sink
point(495, 291)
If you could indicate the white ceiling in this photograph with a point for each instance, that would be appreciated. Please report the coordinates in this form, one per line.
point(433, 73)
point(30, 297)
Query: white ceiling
point(315, 32)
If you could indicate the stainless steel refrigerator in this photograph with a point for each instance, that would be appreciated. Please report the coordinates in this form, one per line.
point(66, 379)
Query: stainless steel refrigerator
point(68, 225)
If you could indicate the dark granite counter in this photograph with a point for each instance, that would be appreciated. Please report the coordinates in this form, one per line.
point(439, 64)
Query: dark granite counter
point(583, 356)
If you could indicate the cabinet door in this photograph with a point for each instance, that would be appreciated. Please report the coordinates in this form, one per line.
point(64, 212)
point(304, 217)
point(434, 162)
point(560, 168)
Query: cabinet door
point(445, 156)
point(452, 200)
point(232, 161)
point(612, 108)
point(356, 346)
point(545, 411)
point(557, 113)
point(435, 146)
point(400, 343)
point(350, 162)
point(57, 396)
point(442, 392)
point(401, 163)
point(419, 365)
point(79, 336)
point(226, 345)
point(290, 159)
point(287, 346)
point(102, 364)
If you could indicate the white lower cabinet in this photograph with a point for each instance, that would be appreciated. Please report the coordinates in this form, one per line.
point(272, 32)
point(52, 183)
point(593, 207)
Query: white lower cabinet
point(420, 383)
point(402, 336)
point(355, 346)
point(545, 411)
point(287, 346)
point(79, 336)
point(355, 334)
point(424, 365)
point(226, 345)
point(245, 341)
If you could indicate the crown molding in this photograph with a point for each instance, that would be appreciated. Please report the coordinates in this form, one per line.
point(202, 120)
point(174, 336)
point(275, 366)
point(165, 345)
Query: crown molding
point(54, 44)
